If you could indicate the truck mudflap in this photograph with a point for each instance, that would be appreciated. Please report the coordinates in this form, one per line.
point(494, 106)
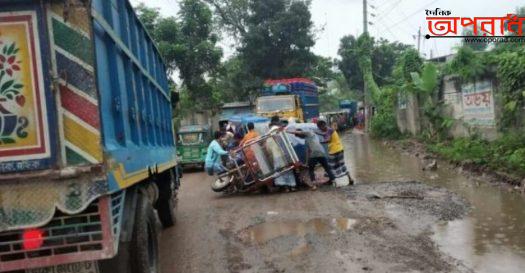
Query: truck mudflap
point(86, 236)
point(33, 203)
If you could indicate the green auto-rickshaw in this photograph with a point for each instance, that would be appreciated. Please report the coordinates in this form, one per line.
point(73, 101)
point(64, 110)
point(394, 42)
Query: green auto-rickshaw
point(192, 144)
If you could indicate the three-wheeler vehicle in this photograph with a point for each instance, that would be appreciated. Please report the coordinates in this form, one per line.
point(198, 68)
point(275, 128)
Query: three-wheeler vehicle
point(192, 145)
point(257, 164)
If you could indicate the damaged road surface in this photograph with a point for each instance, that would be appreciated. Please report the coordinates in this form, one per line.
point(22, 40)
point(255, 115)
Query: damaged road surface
point(403, 226)
point(341, 230)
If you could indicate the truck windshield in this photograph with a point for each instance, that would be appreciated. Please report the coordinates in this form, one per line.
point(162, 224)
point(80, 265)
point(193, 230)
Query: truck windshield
point(275, 104)
point(191, 138)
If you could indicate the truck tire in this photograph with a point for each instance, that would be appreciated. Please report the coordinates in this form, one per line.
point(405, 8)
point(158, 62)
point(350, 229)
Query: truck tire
point(166, 212)
point(144, 241)
point(119, 263)
point(140, 255)
point(165, 205)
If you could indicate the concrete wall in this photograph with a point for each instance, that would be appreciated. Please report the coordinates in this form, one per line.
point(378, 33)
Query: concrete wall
point(473, 106)
point(408, 116)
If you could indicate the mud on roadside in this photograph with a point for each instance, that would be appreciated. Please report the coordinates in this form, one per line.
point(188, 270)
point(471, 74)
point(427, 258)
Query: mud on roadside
point(380, 227)
point(470, 169)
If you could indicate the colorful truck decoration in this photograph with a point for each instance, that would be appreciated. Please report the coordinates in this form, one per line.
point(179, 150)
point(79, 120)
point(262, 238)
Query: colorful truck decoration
point(87, 149)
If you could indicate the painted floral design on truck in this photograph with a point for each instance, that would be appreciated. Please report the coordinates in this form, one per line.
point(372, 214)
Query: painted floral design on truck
point(11, 94)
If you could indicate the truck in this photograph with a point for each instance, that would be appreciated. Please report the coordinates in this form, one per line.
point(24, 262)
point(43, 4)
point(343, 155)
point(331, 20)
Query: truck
point(350, 105)
point(289, 98)
point(88, 161)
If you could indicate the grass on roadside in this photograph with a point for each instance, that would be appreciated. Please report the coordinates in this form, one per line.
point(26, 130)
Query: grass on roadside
point(506, 153)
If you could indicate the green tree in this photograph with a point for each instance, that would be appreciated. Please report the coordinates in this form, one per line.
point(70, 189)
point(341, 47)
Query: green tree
point(467, 64)
point(196, 52)
point(235, 81)
point(349, 64)
point(384, 55)
point(475, 46)
point(232, 15)
point(337, 89)
point(189, 45)
point(410, 63)
point(511, 74)
point(365, 45)
point(278, 39)
point(322, 71)
point(148, 16)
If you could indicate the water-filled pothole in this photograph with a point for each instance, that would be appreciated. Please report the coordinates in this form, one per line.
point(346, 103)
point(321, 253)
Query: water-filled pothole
point(264, 232)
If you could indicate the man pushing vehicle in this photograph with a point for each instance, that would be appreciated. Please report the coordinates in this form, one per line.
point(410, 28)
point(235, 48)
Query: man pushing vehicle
point(315, 154)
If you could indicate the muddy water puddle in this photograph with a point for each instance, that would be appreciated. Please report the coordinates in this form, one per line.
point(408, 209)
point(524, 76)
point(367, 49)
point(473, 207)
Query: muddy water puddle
point(492, 237)
point(268, 231)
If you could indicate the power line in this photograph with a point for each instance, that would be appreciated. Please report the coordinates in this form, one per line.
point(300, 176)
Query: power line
point(389, 9)
point(415, 12)
point(383, 2)
point(385, 24)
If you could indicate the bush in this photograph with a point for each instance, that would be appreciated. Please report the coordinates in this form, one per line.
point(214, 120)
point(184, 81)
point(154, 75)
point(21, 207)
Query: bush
point(463, 149)
point(507, 153)
point(384, 125)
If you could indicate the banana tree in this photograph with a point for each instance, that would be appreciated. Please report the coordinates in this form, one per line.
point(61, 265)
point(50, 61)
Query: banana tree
point(426, 84)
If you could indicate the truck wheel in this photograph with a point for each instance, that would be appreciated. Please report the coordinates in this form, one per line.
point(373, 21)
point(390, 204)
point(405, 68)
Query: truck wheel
point(165, 205)
point(144, 242)
point(165, 210)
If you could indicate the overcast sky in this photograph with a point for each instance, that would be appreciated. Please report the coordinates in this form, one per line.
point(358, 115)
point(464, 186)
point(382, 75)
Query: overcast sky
point(396, 20)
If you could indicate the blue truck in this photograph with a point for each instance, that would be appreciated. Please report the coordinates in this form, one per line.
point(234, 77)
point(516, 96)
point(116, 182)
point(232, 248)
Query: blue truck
point(289, 98)
point(87, 153)
point(350, 105)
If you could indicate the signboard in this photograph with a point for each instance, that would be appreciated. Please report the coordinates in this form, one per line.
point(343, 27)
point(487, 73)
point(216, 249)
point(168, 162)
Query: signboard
point(23, 120)
point(402, 101)
point(478, 104)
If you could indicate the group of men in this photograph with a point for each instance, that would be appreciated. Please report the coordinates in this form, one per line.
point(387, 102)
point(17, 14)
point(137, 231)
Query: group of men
point(324, 147)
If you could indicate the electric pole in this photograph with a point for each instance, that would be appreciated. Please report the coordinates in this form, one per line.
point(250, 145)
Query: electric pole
point(418, 40)
point(365, 89)
point(365, 17)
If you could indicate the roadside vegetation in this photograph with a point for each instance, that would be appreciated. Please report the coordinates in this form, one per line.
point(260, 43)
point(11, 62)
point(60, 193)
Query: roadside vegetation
point(410, 75)
point(506, 153)
point(390, 71)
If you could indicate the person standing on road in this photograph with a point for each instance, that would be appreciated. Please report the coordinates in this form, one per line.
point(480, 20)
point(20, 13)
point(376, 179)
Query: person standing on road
point(336, 156)
point(315, 154)
point(252, 134)
point(212, 164)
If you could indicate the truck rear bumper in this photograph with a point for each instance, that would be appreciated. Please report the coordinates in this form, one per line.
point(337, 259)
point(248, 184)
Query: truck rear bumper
point(90, 235)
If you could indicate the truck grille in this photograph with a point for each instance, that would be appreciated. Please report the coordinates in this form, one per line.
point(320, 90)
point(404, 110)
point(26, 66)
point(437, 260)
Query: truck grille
point(66, 239)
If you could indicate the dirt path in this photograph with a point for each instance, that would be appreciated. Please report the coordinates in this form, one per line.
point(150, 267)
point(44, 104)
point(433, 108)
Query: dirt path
point(383, 227)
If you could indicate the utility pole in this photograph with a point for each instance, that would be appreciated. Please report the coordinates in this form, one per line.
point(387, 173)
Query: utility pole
point(365, 89)
point(419, 40)
point(365, 17)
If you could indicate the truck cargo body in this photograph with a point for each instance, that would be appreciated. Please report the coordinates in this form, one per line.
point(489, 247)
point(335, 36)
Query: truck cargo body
point(305, 90)
point(85, 124)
